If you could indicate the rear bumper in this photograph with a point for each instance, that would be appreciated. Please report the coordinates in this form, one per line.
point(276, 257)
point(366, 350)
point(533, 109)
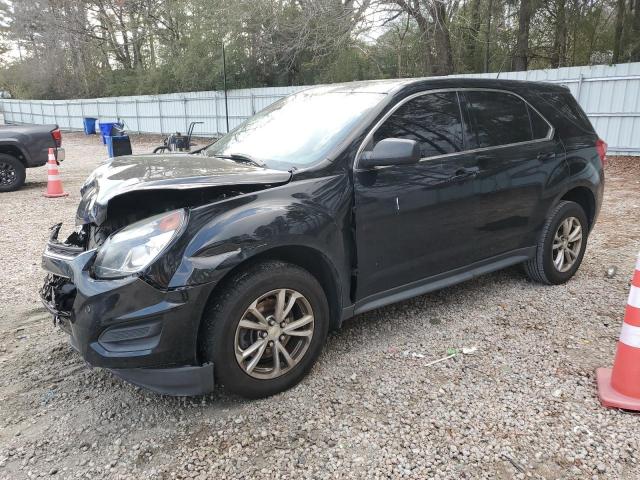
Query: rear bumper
point(142, 334)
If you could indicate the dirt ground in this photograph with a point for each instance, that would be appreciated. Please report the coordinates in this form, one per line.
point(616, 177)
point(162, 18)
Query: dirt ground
point(524, 405)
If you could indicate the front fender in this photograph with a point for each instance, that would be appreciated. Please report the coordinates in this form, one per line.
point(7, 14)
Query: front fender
point(312, 213)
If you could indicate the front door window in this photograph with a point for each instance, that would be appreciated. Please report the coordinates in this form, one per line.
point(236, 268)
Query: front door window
point(432, 120)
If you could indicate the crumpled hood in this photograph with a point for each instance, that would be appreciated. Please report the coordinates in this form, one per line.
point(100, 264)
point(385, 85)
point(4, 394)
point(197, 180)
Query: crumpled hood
point(121, 175)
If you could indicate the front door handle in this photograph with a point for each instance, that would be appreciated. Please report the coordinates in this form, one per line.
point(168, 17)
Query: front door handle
point(546, 156)
point(462, 173)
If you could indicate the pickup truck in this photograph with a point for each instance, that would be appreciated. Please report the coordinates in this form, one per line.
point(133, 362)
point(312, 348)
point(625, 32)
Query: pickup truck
point(25, 146)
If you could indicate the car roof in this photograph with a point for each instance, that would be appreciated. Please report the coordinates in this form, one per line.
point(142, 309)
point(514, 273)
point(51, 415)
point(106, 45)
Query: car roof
point(397, 85)
point(361, 86)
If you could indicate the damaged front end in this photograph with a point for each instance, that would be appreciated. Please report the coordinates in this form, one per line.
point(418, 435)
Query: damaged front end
point(57, 295)
point(109, 284)
point(58, 292)
point(141, 333)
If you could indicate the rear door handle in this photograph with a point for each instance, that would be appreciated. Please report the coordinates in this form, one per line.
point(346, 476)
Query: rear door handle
point(543, 157)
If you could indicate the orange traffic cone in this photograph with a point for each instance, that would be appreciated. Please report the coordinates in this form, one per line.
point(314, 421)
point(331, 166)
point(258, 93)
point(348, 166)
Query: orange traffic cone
point(54, 184)
point(620, 387)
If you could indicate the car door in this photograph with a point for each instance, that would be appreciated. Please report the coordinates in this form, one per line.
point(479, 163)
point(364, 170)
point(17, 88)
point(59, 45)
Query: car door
point(517, 157)
point(415, 221)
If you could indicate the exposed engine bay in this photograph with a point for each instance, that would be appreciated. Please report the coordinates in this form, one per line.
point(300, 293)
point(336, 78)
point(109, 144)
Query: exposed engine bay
point(137, 205)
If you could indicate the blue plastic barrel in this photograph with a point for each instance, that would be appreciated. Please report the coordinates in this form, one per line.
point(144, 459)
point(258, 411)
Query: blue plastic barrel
point(105, 130)
point(89, 125)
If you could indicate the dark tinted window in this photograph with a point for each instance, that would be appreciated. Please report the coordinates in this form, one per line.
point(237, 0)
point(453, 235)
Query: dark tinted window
point(433, 120)
point(498, 118)
point(565, 114)
point(538, 125)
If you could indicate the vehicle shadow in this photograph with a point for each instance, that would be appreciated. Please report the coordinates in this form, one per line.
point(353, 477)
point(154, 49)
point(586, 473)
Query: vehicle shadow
point(33, 185)
point(373, 323)
point(409, 316)
point(376, 319)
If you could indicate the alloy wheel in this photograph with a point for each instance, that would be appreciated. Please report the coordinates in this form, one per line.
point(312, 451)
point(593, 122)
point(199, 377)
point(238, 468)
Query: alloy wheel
point(8, 174)
point(274, 333)
point(566, 244)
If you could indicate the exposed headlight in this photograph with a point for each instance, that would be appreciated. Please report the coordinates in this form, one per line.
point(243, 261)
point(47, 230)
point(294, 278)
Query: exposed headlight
point(136, 246)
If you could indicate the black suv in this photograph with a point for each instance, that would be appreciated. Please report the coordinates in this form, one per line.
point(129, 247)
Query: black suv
point(233, 262)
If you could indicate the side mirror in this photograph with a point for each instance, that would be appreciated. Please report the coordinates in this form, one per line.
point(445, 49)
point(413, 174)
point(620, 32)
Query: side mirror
point(391, 151)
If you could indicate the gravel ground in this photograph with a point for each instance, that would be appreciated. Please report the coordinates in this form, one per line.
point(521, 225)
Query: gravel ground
point(524, 405)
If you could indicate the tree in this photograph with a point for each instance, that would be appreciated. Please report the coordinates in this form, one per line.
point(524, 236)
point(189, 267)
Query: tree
point(617, 39)
point(432, 18)
point(71, 48)
point(473, 45)
point(520, 59)
point(558, 56)
point(635, 32)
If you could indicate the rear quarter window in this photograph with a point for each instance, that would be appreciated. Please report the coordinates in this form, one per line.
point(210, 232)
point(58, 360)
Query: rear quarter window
point(564, 113)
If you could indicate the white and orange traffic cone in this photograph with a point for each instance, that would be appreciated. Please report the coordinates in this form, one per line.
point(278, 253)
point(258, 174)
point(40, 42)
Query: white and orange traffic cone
point(620, 387)
point(54, 184)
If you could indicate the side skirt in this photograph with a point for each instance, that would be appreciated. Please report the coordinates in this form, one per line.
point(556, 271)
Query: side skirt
point(437, 282)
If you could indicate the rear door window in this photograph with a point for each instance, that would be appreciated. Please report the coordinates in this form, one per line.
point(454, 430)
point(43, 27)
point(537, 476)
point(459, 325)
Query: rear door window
point(432, 120)
point(497, 118)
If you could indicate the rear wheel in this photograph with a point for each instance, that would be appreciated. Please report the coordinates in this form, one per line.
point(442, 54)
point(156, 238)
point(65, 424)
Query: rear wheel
point(265, 329)
point(12, 173)
point(561, 246)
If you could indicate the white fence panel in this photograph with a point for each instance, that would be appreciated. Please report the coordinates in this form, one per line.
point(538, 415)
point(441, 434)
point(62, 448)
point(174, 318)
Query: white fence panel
point(609, 94)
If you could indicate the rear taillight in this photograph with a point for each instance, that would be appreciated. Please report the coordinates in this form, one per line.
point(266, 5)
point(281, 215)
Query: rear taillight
point(57, 137)
point(601, 147)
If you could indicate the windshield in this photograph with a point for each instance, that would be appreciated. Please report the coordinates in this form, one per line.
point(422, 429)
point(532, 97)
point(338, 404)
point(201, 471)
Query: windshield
point(298, 130)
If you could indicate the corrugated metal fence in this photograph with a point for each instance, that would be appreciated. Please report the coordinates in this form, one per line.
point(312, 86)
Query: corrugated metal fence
point(609, 94)
point(150, 113)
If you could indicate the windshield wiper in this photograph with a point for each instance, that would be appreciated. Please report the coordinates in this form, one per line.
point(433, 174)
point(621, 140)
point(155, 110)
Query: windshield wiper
point(242, 158)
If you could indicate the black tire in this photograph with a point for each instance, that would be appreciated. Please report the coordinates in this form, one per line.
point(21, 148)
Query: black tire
point(12, 173)
point(541, 267)
point(217, 342)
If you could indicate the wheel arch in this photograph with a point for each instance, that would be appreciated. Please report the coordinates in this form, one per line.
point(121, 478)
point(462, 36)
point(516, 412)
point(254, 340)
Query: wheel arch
point(584, 197)
point(15, 151)
point(309, 258)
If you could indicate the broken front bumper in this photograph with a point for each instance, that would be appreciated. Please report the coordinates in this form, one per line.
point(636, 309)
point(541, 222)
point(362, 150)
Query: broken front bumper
point(143, 334)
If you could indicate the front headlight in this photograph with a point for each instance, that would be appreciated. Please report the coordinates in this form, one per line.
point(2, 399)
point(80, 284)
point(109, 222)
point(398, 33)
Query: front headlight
point(136, 246)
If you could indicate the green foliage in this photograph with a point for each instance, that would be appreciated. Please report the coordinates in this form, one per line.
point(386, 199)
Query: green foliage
point(87, 48)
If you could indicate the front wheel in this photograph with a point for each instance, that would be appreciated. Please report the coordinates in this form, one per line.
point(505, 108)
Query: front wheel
point(265, 329)
point(561, 245)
